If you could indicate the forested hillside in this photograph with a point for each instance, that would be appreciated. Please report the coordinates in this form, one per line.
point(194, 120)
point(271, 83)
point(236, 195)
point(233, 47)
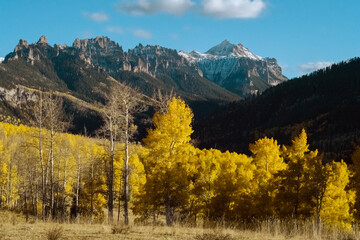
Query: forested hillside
point(326, 103)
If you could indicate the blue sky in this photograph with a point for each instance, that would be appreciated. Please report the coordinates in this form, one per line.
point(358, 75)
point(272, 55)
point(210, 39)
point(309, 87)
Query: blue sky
point(301, 34)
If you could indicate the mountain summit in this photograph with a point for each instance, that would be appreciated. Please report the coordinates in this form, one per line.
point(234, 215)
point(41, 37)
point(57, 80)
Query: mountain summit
point(227, 49)
point(236, 68)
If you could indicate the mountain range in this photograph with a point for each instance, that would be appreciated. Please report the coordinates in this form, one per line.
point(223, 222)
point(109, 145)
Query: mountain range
point(83, 71)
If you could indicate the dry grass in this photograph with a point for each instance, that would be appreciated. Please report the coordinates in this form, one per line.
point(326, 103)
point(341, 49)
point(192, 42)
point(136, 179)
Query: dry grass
point(13, 226)
point(55, 233)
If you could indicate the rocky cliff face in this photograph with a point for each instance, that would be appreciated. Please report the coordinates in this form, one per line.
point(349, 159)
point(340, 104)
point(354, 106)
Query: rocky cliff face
point(105, 54)
point(102, 53)
point(154, 59)
point(237, 69)
point(17, 96)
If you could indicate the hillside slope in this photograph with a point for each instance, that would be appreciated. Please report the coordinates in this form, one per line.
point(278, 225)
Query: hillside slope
point(326, 103)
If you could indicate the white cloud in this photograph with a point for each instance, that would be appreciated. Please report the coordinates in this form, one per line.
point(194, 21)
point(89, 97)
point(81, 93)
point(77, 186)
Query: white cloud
point(313, 66)
point(141, 7)
point(97, 16)
point(233, 8)
point(1, 59)
point(115, 29)
point(142, 33)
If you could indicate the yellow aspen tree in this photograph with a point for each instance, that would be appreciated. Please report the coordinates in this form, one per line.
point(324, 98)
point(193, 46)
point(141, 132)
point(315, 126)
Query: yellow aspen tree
point(3, 181)
point(207, 164)
point(166, 164)
point(82, 155)
point(93, 195)
point(137, 176)
point(232, 187)
point(266, 156)
point(295, 194)
point(3, 174)
point(66, 171)
point(10, 139)
point(335, 209)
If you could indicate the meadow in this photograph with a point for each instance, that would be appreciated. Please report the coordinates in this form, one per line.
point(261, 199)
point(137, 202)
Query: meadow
point(14, 226)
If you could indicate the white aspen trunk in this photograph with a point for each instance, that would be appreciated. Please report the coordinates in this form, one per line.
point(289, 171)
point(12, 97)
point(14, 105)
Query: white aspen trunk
point(64, 190)
point(119, 204)
point(52, 211)
point(78, 184)
point(111, 174)
point(92, 191)
point(126, 167)
point(42, 164)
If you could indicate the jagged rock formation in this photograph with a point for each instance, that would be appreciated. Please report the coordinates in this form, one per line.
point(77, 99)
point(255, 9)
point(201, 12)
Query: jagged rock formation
point(229, 66)
point(237, 69)
point(107, 55)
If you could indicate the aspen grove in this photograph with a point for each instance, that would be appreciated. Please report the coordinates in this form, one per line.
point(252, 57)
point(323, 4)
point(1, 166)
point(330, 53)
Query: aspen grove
point(169, 178)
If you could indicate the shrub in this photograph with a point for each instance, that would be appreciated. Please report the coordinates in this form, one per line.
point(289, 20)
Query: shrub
point(55, 233)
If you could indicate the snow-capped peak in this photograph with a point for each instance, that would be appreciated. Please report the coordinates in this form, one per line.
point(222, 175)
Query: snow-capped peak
point(227, 49)
point(1, 59)
point(222, 50)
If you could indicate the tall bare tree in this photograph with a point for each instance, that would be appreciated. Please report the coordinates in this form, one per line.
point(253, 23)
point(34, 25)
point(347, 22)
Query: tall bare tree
point(54, 122)
point(47, 112)
point(161, 100)
point(38, 119)
point(123, 102)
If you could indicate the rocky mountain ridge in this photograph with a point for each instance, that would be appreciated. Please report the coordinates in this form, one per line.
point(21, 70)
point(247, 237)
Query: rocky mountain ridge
point(230, 66)
point(86, 69)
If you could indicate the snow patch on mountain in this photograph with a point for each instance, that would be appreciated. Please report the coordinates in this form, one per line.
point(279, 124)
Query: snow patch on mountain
point(1, 59)
point(195, 56)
